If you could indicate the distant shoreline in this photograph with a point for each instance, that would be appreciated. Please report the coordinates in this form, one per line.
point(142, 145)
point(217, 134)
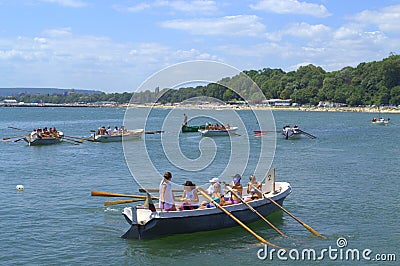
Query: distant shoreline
point(386, 109)
point(393, 110)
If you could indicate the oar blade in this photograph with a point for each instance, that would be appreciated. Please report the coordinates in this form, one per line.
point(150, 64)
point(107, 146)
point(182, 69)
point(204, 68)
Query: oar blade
point(313, 231)
point(110, 194)
point(291, 215)
point(115, 202)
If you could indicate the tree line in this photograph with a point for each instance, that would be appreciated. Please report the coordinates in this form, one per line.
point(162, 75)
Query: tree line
point(376, 82)
point(370, 83)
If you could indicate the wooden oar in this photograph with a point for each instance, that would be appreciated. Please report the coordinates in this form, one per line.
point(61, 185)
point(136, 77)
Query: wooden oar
point(259, 238)
point(19, 129)
point(307, 134)
point(13, 137)
point(108, 203)
point(291, 215)
point(83, 139)
point(73, 137)
point(267, 131)
point(254, 210)
point(154, 132)
point(110, 194)
point(69, 141)
point(152, 190)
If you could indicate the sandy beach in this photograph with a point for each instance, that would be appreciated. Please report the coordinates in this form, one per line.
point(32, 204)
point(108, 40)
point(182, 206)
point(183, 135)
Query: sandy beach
point(386, 109)
point(217, 106)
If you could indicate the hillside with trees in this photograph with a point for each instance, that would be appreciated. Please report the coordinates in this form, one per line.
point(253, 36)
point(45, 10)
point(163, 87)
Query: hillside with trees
point(370, 83)
point(376, 82)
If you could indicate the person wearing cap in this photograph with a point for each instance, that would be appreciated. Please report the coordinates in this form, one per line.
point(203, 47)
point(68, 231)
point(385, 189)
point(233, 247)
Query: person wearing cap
point(216, 196)
point(167, 199)
point(251, 191)
point(210, 189)
point(237, 188)
point(232, 183)
point(190, 198)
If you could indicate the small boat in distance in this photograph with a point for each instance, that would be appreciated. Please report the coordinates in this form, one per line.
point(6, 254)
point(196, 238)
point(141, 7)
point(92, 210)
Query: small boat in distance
point(380, 121)
point(295, 133)
point(291, 132)
point(187, 128)
point(218, 132)
point(114, 136)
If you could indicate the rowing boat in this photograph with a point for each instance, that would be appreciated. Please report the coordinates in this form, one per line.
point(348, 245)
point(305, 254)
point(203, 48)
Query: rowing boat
point(127, 135)
point(218, 132)
point(145, 223)
point(35, 141)
point(380, 121)
point(291, 133)
point(186, 128)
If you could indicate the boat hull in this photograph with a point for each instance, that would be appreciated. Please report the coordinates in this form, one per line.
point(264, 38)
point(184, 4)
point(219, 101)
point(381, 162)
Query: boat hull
point(43, 141)
point(380, 123)
point(214, 132)
point(186, 129)
point(292, 135)
point(167, 223)
point(131, 135)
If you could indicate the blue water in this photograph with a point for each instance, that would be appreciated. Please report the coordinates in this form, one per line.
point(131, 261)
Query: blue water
point(345, 184)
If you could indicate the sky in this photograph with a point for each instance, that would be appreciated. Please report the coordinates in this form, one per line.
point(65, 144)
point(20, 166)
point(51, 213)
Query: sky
point(114, 46)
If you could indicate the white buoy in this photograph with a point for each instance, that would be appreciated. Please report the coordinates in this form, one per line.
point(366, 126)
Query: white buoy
point(20, 187)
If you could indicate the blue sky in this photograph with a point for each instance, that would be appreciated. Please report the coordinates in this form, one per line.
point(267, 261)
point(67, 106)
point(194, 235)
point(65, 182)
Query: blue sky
point(114, 46)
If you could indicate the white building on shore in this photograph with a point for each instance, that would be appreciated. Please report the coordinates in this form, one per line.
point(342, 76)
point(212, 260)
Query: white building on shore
point(277, 102)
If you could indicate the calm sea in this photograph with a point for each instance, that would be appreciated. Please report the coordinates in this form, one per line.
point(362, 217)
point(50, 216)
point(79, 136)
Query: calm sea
point(345, 185)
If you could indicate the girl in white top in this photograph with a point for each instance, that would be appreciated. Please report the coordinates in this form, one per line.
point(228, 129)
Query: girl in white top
point(190, 198)
point(167, 199)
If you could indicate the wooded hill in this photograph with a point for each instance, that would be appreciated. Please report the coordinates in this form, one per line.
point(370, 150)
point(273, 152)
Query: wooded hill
point(375, 82)
point(369, 83)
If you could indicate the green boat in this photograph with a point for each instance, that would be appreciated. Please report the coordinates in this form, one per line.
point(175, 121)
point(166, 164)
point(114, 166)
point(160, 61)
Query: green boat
point(186, 128)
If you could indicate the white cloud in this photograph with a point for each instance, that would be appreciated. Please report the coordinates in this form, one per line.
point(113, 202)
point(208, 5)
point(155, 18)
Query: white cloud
point(194, 6)
point(135, 8)
point(242, 25)
point(303, 30)
point(348, 31)
point(59, 32)
point(291, 7)
point(68, 3)
point(386, 19)
point(193, 54)
point(148, 49)
point(59, 58)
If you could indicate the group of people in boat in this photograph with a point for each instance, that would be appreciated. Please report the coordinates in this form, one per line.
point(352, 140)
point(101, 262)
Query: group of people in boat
point(116, 131)
point(190, 198)
point(380, 119)
point(287, 128)
point(288, 131)
point(39, 133)
point(217, 127)
point(209, 126)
